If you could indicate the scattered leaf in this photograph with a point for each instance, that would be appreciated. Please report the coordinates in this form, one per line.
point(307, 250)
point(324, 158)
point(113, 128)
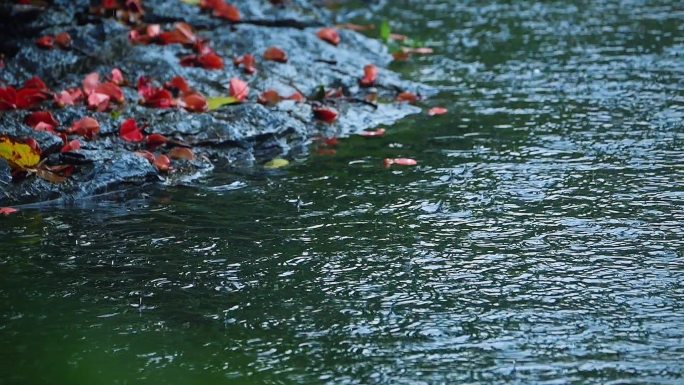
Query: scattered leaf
point(275, 54)
point(20, 156)
point(63, 40)
point(326, 114)
point(155, 140)
point(373, 134)
point(146, 154)
point(247, 61)
point(49, 123)
point(370, 75)
point(46, 42)
point(117, 77)
point(181, 153)
point(130, 132)
point(220, 101)
point(385, 31)
point(434, 111)
point(8, 210)
point(195, 102)
point(269, 98)
point(407, 97)
point(329, 35)
point(400, 162)
point(71, 146)
point(86, 127)
point(276, 163)
point(238, 89)
point(162, 163)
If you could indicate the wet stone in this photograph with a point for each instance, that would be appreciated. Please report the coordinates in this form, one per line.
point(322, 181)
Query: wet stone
point(238, 135)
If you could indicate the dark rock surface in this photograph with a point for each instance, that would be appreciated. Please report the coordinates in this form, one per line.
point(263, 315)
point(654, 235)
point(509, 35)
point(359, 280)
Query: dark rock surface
point(235, 135)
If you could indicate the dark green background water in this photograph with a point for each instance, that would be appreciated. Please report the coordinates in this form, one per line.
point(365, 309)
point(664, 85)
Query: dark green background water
point(539, 241)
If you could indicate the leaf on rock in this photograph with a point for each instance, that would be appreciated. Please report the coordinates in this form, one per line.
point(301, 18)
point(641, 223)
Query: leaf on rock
point(19, 155)
point(49, 123)
point(86, 127)
point(162, 163)
point(220, 101)
point(275, 54)
point(238, 89)
point(370, 75)
point(329, 35)
point(326, 114)
point(276, 163)
point(184, 153)
point(130, 132)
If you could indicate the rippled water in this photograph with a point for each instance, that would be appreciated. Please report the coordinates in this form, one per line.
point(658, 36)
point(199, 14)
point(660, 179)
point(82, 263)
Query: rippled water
point(540, 239)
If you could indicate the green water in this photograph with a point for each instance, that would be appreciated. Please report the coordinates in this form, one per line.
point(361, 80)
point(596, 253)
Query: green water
point(540, 240)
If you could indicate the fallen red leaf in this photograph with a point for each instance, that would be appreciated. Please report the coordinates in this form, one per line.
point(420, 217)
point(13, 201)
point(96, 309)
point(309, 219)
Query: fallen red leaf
point(35, 83)
point(275, 54)
point(7, 210)
point(117, 77)
point(181, 153)
point(326, 114)
point(155, 140)
point(162, 163)
point(98, 101)
point(90, 82)
point(407, 97)
point(370, 75)
point(195, 102)
point(297, 97)
point(400, 162)
point(247, 61)
point(49, 123)
point(111, 90)
point(154, 97)
point(238, 89)
point(178, 83)
point(329, 35)
point(269, 97)
point(221, 9)
point(146, 154)
point(63, 40)
point(86, 127)
point(68, 97)
point(130, 132)
point(45, 42)
point(373, 134)
point(71, 146)
point(434, 111)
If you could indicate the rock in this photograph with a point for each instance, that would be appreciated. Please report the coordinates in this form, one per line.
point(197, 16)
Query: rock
point(233, 135)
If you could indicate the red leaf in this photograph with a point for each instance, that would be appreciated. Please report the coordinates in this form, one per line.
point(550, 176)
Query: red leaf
point(36, 83)
point(269, 97)
point(45, 42)
point(154, 97)
point(44, 117)
point(8, 98)
point(63, 40)
point(400, 162)
point(90, 82)
point(248, 62)
point(370, 75)
point(434, 111)
point(226, 11)
point(111, 90)
point(86, 127)
point(181, 153)
point(117, 77)
point(210, 60)
point(153, 30)
point(7, 210)
point(195, 102)
point(373, 134)
point(178, 83)
point(275, 54)
point(29, 97)
point(329, 35)
point(130, 132)
point(238, 89)
point(162, 163)
point(155, 140)
point(297, 97)
point(326, 114)
point(407, 97)
point(98, 101)
point(42, 126)
point(146, 154)
point(68, 97)
point(71, 146)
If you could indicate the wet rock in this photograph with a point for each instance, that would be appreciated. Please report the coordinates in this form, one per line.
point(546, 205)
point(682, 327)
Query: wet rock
point(234, 135)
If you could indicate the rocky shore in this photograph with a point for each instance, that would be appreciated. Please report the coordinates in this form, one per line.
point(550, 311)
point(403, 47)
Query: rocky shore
point(247, 133)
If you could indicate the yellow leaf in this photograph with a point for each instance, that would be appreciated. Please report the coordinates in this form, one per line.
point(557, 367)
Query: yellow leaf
point(219, 101)
point(20, 156)
point(276, 163)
